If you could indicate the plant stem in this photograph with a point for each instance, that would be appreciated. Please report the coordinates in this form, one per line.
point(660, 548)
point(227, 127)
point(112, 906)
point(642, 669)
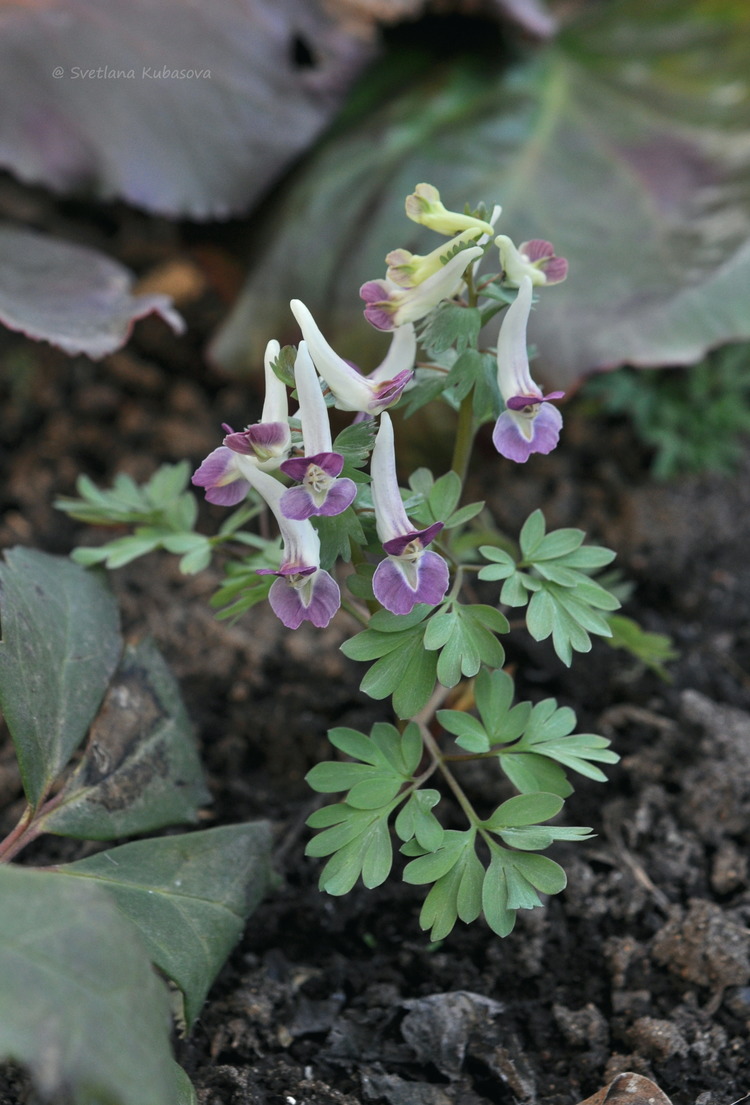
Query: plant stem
point(356, 613)
point(448, 775)
point(24, 832)
point(465, 432)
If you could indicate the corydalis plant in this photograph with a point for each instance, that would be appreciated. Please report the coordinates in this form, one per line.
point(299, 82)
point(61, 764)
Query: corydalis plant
point(418, 558)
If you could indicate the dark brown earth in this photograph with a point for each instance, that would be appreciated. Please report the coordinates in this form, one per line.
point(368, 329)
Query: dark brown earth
point(642, 964)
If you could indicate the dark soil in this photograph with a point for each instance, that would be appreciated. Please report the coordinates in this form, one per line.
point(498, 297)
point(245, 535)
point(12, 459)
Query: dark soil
point(642, 964)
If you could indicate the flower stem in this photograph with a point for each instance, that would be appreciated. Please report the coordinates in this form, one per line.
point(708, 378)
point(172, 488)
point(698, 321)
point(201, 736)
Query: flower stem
point(465, 431)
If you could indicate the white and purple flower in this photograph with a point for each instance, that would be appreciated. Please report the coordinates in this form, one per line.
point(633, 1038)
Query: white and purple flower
point(267, 442)
point(221, 477)
point(535, 259)
point(528, 424)
point(321, 491)
point(411, 573)
point(425, 207)
point(390, 306)
point(409, 269)
point(352, 391)
point(302, 591)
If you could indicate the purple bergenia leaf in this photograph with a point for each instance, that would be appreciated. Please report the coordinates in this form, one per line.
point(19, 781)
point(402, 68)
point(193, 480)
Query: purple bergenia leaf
point(640, 176)
point(71, 296)
point(179, 107)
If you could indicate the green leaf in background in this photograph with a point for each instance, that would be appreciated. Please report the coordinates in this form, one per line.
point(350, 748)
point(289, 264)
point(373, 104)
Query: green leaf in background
point(652, 649)
point(141, 769)
point(189, 896)
point(624, 141)
point(128, 502)
point(60, 645)
point(80, 1004)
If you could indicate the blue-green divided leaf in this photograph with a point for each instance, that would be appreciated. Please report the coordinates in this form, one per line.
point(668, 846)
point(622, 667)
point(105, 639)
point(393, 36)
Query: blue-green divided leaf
point(416, 820)
point(332, 776)
point(498, 915)
point(141, 769)
point(189, 896)
point(60, 645)
point(407, 671)
point(503, 722)
point(358, 842)
point(80, 1005)
point(375, 792)
point(429, 868)
point(336, 534)
point(417, 684)
point(502, 563)
point(524, 809)
point(529, 772)
point(532, 534)
point(457, 873)
point(465, 641)
point(541, 872)
point(387, 760)
point(469, 732)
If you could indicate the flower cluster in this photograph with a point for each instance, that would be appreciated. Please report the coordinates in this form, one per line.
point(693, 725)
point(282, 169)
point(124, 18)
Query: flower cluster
point(261, 455)
point(303, 591)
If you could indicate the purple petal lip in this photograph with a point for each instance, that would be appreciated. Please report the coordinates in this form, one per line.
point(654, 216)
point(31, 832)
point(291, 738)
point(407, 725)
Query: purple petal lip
point(214, 468)
point(389, 391)
point(379, 318)
point(375, 291)
point(341, 495)
point(518, 402)
point(537, 249)
point(297, 503)
point(510, 442)
point(263, 435)
point(396, 545)
point(556, 269)
point(287, 603)
point(229, 495)
point(286, 570)
point(378, 312)
point(297, 467)
point(392, 590)
point(212, 475)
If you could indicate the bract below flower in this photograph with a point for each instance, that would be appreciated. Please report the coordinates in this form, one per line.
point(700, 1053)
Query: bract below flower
point(318, 471)
point(303, 591)
point(424, 206)
point(352, 391)
point(411, 573)
point(535, 259)
point(408, 269)
point(526, 426)
point(389, 306)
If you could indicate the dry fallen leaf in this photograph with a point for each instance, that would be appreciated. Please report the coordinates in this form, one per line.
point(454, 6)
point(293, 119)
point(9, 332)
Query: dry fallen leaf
point(629, 1088)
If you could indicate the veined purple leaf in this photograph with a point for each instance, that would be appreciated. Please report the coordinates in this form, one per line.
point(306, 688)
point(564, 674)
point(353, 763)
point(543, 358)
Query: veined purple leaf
point(625, 141)
point(182, 107)
point(71, 296)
